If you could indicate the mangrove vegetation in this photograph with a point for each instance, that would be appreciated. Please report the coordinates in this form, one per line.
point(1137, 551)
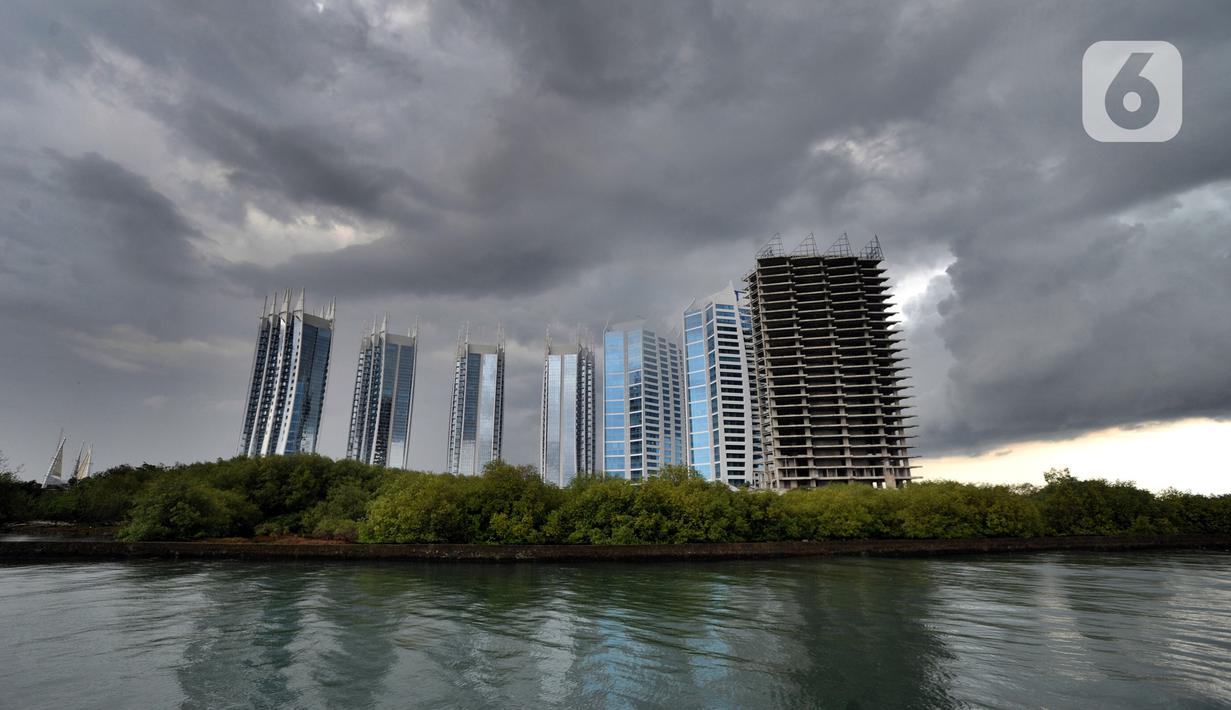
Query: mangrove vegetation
point(312, 496)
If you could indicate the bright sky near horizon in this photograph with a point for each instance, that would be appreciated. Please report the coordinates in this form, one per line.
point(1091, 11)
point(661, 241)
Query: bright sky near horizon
point(1191, 455)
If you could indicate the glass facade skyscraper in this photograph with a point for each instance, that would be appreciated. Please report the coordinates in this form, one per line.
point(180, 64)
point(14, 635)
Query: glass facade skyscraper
point(566, 425)
point(289, 370)
point(724, 442)
point(384, 399)
point(476, 421)
point(643, 423)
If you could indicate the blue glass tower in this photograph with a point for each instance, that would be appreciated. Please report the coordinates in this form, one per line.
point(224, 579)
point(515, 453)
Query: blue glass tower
point(643, 424)
point(287, 389)
point(384, 399)
point(724, 442)
point(476, 421)
point(566, 445)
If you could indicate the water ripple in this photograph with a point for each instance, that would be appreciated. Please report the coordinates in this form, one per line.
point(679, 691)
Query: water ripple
point(1057, 630)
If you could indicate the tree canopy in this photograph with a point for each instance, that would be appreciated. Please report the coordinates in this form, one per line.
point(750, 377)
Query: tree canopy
point(313, 496)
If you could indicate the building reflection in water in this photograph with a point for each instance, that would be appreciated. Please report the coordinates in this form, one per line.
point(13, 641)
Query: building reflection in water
point(846, 633)
point(1008, 631)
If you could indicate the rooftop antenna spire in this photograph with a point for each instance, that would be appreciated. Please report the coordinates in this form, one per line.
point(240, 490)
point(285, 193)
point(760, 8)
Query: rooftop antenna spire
point(840, 248)
point(773, 247)
point(807, 247)
point(873, 250)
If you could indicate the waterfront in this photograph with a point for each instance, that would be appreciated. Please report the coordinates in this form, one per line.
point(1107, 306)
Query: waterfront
point(1046, 630)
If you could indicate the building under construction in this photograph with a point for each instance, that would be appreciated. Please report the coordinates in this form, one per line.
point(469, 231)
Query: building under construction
point(829, 374)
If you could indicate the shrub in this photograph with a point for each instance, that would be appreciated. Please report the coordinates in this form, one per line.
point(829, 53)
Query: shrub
point(506, 505)
point(179, 507)
point(16, 498)
point(347, 500)
point(417, 507)
point(595, 511)
point(840, 512)
point(1012, 513)
point(678, 506)
point(511, 505)
point(336, 517)
point(1093, 507)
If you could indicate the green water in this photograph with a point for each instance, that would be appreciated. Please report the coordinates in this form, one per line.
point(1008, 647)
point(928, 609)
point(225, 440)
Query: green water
point(1050, 631)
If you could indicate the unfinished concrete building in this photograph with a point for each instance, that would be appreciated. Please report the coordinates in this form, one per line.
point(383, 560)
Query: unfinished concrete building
point(829, 374)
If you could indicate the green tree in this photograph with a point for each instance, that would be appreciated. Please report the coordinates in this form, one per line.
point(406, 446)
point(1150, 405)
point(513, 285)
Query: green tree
point(180, 507)
point(418, 507)
point(595, 511)
point(507, 504)
point(16, 496)
point(512, 505)
point(1070, 506)
point(841, 512)
point(337, 517)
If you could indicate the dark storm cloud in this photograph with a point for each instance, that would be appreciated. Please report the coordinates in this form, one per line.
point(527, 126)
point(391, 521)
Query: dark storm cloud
point(573, 162)
point(149, 236)
point(304, 165)
point(1117, 327)
point(649, 128)
point(249, 50)
point(494, 263)
point(608, 52)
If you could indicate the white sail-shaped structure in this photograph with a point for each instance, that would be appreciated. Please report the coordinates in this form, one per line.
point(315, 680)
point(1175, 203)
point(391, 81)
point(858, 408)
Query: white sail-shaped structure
point(82, 470)
point(55, 473)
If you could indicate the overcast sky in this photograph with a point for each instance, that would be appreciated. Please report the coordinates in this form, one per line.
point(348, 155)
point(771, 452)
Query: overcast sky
point(165, 165)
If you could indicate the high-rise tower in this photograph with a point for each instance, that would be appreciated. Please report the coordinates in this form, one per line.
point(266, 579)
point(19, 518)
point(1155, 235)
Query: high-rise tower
point(643, 421)
point(287, 387)
point(566, 424)
point(384, 398)
point(830, 380)
point(476, 421)
point(724, 438)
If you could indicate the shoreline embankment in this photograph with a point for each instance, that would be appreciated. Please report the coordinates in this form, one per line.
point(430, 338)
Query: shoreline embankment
point(70, 549)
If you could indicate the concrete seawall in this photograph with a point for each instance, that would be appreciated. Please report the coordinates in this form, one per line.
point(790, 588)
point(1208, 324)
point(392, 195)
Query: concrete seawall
point(45, 550)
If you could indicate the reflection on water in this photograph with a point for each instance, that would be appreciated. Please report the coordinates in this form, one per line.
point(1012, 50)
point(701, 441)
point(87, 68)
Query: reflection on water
point(1060, 630)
